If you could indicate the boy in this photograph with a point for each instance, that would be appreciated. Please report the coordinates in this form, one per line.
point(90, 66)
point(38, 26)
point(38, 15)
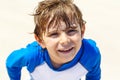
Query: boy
point(60, 52)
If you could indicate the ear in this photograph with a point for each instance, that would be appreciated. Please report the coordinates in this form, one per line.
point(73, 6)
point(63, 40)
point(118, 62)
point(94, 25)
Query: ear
point(40, 42)
point(82, 30)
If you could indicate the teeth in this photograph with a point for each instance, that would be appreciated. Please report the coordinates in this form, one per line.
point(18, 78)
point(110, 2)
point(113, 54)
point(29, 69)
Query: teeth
point(65, 50)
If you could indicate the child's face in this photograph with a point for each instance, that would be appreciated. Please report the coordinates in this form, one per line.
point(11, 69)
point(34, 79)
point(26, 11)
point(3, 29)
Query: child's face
point(62, 43)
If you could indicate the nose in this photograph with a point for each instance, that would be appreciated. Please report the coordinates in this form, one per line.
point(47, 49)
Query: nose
point(64, 39)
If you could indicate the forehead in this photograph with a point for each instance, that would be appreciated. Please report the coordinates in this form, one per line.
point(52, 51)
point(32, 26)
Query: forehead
point(62, 26)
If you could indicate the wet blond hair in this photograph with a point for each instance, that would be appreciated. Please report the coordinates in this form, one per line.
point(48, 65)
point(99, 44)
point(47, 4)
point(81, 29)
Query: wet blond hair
point(49, 13)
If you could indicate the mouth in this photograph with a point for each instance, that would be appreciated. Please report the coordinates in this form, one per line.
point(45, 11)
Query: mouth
point(66, 51)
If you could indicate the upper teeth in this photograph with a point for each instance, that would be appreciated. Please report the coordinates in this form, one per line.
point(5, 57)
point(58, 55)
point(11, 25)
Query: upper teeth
point(65, 50)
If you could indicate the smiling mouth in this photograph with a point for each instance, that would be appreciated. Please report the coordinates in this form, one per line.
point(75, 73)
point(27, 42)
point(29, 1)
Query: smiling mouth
point(66, 51)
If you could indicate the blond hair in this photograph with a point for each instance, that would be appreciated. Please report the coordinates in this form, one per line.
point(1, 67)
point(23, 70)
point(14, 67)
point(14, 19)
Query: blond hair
point(51, 12)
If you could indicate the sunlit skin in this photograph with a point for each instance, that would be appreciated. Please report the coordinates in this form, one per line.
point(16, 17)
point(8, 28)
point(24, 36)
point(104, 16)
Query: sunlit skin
point(62, 43)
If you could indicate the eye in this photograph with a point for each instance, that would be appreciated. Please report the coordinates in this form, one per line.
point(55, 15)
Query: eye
point(71, 32)
point(53, 35)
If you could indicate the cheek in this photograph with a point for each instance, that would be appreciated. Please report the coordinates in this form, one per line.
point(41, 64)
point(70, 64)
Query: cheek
point(77, 37)
point(77, 40)
point(50, 43)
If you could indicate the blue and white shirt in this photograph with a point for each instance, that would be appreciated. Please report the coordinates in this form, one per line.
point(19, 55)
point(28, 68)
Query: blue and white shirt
point(86, 63)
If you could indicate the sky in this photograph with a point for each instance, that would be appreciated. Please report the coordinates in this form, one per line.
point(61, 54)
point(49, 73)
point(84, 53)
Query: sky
point(103, 26)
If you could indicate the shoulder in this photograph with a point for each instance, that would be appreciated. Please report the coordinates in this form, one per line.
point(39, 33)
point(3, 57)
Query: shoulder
point(91, 48)
point(30, 56)
point(30, 50)
point(91, 54)
point(36, 55)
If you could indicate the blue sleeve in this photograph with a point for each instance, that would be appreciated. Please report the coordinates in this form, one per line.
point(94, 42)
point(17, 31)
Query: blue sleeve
point(20, 58)
point(14, 64)
point(91, 60)
point(95, 73)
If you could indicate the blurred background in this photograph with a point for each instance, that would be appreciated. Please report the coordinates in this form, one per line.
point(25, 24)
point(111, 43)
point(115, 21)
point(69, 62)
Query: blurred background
point(103, 25)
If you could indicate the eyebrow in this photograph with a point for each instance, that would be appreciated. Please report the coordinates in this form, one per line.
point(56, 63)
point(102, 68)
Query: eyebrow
point(57, 29)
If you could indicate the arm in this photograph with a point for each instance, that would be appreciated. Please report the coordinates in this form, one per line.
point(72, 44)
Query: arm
point(29, 56)
point(95, 73)
point(91, 60)
point(14, 64)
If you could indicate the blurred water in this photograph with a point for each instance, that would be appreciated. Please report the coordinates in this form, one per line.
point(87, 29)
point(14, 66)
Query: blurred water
point(103, 25)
